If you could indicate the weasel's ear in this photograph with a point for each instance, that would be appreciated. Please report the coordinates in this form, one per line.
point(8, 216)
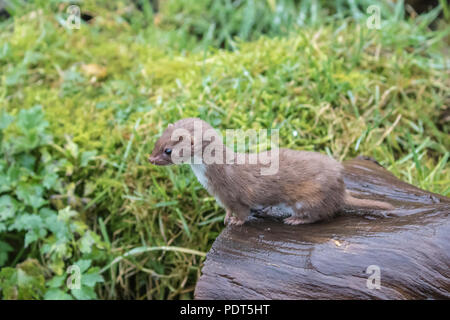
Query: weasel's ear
point(170, 125)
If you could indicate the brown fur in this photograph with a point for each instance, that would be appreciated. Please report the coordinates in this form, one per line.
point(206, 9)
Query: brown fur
point(308, 183)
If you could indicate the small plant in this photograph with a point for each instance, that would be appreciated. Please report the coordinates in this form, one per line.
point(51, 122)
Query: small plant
point(29, 224)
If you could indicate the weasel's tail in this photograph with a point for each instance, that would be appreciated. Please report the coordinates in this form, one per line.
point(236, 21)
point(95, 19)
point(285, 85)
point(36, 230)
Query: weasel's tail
point(365, 203)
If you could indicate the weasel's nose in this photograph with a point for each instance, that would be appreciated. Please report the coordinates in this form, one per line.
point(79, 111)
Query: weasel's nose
point(152, 159)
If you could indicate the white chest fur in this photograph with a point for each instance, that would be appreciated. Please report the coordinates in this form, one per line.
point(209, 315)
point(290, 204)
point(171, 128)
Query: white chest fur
point(200, 172)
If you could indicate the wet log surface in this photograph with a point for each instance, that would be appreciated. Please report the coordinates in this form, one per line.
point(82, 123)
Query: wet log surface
point(265, 259)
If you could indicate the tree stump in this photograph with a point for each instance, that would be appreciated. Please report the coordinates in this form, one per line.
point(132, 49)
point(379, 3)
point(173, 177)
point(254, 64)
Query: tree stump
point(407, 249)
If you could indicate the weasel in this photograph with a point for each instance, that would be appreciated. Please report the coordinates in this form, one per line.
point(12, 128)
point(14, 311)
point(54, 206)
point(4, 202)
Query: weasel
point(307, 187)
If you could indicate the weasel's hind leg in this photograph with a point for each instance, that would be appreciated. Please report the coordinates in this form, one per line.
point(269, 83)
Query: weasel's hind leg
point(301, 215)
point(228, 216)
point(305, 213)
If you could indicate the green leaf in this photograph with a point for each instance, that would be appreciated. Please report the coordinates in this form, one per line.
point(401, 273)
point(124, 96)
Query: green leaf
point(90, 279)
point(15, 76)
point(86, 242)
point(11, 178)
point(33, 224)
point(34, 235)
point(83, 264)
point(4, 249)
point(31, 195)
point(57, 294)
point(27, 161)
point(55, 225)
point(4, 183)
point(27, 143)
point(8, 207)
point(32, 120)
point(51, 181)
point(56, 281)
point(72, 147)
point(5, 119)
point(87, 156)
point(66, 213)
point(14, 174)
point(27, 222)
point(84, 293)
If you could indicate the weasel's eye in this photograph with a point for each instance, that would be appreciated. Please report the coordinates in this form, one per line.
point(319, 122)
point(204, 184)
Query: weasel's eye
point(167, 151)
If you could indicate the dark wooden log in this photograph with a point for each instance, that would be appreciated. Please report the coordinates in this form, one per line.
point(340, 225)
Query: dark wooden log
point(265, 259)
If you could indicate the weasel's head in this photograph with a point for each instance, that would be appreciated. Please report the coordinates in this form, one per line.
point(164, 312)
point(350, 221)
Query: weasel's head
point(162, 151)
point(181, 142)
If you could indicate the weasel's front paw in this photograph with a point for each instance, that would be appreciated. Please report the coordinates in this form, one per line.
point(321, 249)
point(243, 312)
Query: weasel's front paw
point(234, 221)
point(228, 215)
